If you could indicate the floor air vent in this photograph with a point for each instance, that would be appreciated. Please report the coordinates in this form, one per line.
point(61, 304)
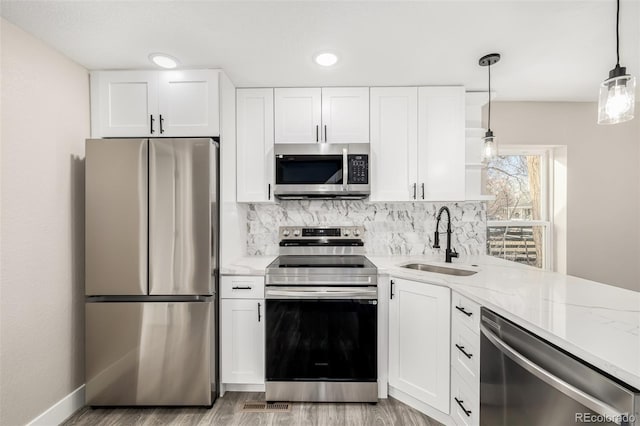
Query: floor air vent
point(264, 407)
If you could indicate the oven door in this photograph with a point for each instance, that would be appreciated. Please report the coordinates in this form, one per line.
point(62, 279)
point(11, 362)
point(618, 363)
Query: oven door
point(326, 334)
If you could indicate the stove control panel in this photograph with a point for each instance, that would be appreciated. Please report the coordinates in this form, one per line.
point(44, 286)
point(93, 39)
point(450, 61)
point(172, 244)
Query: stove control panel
point(337, 232)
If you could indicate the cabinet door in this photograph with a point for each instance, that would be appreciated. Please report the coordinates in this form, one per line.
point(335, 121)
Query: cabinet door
point(297, 115)
point(242, 341)
point(441, 143)
point(188, 103)
point(255, 159)
point(124, 104)
point(419, 322)
point(345, 115)
point(394, 143)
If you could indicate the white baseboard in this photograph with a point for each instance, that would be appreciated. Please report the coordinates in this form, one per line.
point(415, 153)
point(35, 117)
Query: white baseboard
point(61, 410)
point(421, 406)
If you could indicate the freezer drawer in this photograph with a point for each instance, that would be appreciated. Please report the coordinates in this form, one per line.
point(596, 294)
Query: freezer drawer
point(148, 353)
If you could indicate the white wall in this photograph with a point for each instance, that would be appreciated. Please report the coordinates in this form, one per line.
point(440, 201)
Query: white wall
point(603, 182)
point(45, 119)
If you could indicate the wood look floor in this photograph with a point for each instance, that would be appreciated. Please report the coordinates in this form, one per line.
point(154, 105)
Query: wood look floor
point(228, 411)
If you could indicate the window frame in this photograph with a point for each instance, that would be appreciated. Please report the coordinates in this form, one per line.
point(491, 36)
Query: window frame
point(546, 198)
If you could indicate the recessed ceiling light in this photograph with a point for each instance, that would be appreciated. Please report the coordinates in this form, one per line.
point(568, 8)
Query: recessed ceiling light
point(326, 59)
point(162, 60)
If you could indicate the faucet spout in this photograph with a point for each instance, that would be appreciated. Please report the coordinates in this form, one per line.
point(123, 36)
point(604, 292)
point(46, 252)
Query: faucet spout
point(449, 253)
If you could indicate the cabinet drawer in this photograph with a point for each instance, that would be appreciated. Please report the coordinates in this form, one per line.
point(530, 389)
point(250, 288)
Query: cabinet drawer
point(465, 354)
point(465, 404)
point(241, 287)
point(465, 311)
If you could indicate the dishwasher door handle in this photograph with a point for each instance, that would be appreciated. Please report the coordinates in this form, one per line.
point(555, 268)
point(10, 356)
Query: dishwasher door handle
point(557, 383)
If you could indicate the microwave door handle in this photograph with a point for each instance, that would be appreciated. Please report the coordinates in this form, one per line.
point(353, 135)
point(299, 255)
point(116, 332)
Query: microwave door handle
point(557, 383)
point(345, 168)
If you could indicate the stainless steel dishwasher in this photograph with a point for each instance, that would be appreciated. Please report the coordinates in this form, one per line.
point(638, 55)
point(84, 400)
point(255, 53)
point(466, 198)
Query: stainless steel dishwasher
point(525, 380)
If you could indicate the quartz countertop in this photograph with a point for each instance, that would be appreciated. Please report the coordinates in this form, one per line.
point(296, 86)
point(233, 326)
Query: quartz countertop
point(247, 265)
point(596, 322)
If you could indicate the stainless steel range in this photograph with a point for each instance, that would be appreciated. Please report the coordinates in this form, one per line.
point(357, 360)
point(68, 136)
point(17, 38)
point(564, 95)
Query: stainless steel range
point(321, 317)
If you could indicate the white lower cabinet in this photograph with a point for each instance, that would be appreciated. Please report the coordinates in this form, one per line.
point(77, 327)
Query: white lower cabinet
point(465, 403)
point(465, 361)
point(241, 337)
point(419, 341)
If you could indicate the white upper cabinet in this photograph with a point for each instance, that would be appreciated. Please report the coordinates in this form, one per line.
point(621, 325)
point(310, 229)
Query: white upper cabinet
point(155, 103)
point(345, 114)
point(419, 324)
point(123, 103)
point(298, 115)
point(394, 143)
point(441, 143)
point(188, 103)
point(310, 115)
point(254, 133)
point(418, 144)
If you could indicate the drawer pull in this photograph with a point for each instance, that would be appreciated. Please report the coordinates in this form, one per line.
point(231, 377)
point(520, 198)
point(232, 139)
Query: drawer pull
point(461, 309)
point(248, 287)
point(459, 402)
point(461, 349)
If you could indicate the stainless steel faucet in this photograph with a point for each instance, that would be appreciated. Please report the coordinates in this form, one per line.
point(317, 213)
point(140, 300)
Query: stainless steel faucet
point(448, 252)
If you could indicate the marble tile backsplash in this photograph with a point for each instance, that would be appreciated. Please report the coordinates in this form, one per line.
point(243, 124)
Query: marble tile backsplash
point(390, 228)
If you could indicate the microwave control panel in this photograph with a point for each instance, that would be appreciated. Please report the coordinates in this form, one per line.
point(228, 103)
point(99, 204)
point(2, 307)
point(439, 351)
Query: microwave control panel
point(358, 169)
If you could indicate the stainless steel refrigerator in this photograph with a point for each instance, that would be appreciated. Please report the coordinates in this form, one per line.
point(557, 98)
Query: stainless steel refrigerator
point(151, 271)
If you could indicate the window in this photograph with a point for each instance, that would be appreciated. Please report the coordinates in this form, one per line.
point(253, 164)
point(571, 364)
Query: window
point(518, 225)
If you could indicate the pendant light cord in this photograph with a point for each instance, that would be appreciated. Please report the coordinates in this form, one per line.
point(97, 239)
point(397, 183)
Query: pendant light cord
point(617, 33)
point(489, 121)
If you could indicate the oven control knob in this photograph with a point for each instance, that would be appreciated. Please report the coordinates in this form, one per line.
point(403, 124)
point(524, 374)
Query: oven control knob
point(356, 233)
point(346, 233)
point(296, 233)
point(285, 233)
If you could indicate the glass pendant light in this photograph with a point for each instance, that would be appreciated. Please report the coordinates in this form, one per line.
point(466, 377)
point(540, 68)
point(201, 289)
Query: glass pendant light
point(616, 102)
point(490, 144)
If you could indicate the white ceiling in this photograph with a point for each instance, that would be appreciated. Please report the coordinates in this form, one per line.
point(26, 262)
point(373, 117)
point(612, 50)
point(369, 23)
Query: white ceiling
point(551, 50)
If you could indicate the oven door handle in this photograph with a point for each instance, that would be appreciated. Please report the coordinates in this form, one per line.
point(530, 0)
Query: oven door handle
point(316, 293)
point(557, 383)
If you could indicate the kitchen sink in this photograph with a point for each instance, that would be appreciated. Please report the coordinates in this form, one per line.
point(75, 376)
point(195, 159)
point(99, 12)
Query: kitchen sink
point(439, 269)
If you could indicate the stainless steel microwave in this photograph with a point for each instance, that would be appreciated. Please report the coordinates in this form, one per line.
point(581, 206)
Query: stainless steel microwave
point(322, 171)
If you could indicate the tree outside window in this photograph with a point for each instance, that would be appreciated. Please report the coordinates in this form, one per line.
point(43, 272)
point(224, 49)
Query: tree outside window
point(517, 225)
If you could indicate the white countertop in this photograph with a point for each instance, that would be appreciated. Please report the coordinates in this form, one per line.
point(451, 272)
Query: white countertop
point(248, 265)
point(596, 322)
